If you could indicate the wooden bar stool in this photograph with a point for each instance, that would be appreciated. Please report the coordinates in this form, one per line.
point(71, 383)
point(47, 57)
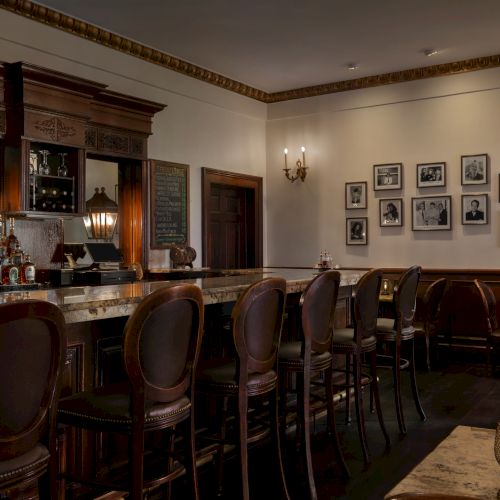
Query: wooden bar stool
point(311, 355)
point(354, 343)
point(256, 325)
point(161, 343)
point(400, 330)
point(429, 326)
point(32, 357)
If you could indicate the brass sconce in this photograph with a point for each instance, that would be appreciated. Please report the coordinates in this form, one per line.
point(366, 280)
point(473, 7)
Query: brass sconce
point(300, 171)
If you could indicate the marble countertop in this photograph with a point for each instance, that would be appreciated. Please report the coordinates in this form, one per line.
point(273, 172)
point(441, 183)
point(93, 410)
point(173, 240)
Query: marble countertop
point(87, 303)
point(462, 464)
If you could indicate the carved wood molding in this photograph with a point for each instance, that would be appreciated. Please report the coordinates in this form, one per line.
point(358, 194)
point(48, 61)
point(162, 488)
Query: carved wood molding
point(115, 142)
point(83, 29)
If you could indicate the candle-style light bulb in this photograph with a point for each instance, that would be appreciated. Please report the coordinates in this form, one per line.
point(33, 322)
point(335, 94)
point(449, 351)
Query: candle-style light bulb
point(286, 152)
point(303, 149)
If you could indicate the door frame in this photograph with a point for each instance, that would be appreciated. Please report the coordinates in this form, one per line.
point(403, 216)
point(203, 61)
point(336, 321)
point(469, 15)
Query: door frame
point(211, 176)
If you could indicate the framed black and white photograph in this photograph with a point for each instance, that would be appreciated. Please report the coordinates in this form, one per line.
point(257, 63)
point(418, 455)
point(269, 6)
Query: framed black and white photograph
point(357, 231)
point(355, 195)
point(431, 174)
point(387, 176)
point(391, 212)
point(474, 169)
point(474, 209)
point(431, 213)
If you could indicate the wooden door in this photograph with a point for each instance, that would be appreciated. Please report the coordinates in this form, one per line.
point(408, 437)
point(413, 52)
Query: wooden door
point(232, 220)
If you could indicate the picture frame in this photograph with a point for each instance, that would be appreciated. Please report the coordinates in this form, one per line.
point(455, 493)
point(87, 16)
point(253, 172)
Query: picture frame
point(431, 213)
point(357, 231)
point(387, 176)
point(356, 195)
point(431, 174)
point(474, 169)
point(391, 212)
point(475, 209)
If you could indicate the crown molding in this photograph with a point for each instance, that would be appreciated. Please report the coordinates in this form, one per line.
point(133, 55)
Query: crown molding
point(408, 75)
point(55, 19)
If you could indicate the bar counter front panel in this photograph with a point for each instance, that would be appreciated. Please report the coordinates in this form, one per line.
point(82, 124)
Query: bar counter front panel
point(96, 316)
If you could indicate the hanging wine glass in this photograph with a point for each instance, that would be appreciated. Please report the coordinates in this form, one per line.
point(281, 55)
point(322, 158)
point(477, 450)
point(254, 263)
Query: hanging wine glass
point(62, 170)
point(44, 167)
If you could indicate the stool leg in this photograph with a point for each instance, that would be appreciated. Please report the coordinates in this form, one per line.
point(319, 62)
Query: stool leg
point(413, 379)
point(306, 429)
point(360, 414)
point(190, 465)
point(220, 449)
point(347, 389)
point(396, 372)
point(136, 461)
point(275, 433)
point(332, 426)
point(428, 350)
point(243, 440)
point(374, 391)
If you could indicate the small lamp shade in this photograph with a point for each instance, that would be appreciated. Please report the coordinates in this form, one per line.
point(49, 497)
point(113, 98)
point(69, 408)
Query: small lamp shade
point(101, 216)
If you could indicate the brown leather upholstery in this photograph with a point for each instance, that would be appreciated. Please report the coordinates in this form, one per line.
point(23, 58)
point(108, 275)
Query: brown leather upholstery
point(401, 330)
point(312, 355)
point(488, 313)
point(354, 343)
point(256, 324)
point(431, 302)
point(161, 344)
point(429, 496)
point(32, 356)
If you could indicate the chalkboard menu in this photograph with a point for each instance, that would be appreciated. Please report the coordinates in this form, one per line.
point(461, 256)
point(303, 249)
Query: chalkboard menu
point(169, 204)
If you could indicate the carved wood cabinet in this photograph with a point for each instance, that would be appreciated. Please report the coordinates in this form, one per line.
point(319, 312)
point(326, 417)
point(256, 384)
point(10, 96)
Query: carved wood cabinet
point(50, 123)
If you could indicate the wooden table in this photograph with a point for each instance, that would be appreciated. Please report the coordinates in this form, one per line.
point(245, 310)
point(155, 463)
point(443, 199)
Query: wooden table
point(462, 464)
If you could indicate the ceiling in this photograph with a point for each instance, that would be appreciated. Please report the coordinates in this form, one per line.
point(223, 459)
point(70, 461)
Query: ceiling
point(278, 45)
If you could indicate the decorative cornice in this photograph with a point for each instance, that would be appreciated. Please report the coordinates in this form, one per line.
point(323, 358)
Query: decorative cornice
point(69, 24)
point(408, 75)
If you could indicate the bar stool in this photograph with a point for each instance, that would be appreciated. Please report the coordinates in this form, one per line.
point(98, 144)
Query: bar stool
point(32, 357)
point(256, 325)
point(487, 316)
point(312, 355)
point(161, 343)
point(398, 330)
point(354, 343)
point(428, 327)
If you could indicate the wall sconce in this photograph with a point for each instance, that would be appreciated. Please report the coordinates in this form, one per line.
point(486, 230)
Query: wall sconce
point(300, 171)
point(101, 216)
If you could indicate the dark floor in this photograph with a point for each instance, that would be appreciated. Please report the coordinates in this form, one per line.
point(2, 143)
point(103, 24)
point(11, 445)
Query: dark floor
point(455, 393)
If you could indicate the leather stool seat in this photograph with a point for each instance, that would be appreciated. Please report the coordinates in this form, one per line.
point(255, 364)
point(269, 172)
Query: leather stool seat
point(289, 355)
point(30, 463)
point(111, 405)
point(387, 331)
point(221, 379)
point(342, 337)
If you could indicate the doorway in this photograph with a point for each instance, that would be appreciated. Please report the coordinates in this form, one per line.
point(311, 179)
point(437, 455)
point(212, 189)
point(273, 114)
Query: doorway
point(232, 225)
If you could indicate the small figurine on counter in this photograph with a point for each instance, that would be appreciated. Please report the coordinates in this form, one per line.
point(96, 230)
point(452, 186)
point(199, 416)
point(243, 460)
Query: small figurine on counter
point(182, 256)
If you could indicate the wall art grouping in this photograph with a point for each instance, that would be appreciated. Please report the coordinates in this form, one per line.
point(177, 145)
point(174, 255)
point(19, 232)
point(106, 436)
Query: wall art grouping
point(428, 213)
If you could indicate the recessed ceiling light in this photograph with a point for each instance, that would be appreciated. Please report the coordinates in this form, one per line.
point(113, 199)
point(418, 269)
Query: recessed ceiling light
point(352, 66)
point(430, 52)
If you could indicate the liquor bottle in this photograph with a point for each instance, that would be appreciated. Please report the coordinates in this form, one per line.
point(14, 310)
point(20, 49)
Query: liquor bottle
point(17, 256)
point(10, 272)
point(12, 240)
point(27, 270)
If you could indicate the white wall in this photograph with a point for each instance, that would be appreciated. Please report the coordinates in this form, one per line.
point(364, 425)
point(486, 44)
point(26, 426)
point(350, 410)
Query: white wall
point(345, 134)
point(202, 126)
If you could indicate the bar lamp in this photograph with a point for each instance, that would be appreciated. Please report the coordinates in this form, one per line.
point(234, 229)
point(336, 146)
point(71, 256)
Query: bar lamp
point(101, 216)
point(301, 169)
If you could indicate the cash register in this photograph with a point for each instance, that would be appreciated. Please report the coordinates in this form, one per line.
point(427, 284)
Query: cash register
point(105, 268)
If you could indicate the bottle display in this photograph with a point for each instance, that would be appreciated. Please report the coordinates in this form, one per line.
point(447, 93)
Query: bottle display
point(52, 187)
point(16, 267)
